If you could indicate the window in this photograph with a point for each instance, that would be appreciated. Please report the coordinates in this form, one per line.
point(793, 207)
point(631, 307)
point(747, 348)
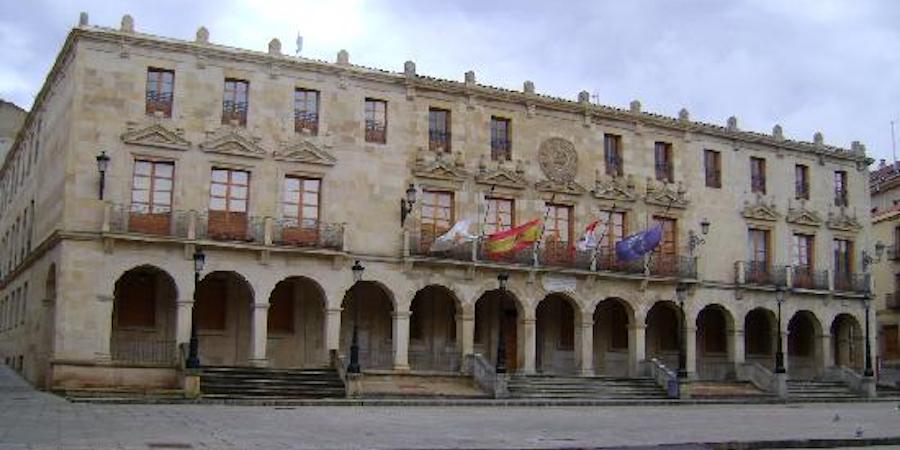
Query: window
point(151, 187)
point(437, 214)
point(758, 256)
point(666, 252)
point(801, 182)
point(160, 86)
point(663, 156)
point(612, 154)
point(712, 161)
point(234, 105)
point(301, 200)
point(802, 260)
point(843, 259)
point(758, 175)
point(228, 196)
point(612, 225)
point(501, 145)
point(439, 130)
point(558, 226)
point(306, 111)
point(500, 215)
point(376, 121)
point(840, 188)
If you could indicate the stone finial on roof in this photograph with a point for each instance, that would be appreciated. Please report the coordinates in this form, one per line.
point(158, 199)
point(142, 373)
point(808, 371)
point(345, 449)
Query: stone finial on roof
point(343, 57)
point(584, 97)
point(855, 146)
point(732, 123)
point(274, 47)
point(777, 132)
point(202, 36)
point(127, 23)
point(635, 106)
point(528, 87)
point(83, 19)
point(684, 115)
point(409, 69)
point(818, 139)
point(470, 77)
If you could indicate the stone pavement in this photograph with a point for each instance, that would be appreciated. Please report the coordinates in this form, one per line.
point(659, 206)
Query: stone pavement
point(37, 420)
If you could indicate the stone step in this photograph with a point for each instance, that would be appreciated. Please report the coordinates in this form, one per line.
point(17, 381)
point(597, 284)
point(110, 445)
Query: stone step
point(569, 387)
point(224, 382)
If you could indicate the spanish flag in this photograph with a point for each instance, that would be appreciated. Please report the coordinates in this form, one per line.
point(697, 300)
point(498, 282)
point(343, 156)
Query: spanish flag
point(513, 239)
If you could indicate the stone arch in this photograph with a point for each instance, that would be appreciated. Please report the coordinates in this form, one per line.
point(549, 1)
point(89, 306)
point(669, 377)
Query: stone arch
point(847, 342)
point(48, 324)
point(557, 316)
point(613, 317)
point(434, 329)
point(663, 338)
point(804, 352)
point(760, 337)
point(296, 323)
point(500, 314)
point(223, 310)
point(715, 359)
point(143, 317)
point(369, 307)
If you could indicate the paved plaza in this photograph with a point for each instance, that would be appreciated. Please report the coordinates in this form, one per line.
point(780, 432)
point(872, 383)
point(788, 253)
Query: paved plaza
point(30, 419)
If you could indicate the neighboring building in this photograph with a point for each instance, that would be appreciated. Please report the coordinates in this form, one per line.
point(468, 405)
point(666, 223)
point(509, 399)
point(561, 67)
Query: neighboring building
point(11, 119)
point(885, 187)
point(286, 170)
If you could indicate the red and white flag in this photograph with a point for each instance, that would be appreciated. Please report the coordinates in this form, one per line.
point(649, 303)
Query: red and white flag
point(588, 240)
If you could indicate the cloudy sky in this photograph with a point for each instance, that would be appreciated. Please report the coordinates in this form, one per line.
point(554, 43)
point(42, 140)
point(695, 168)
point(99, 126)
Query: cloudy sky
point(809, 65)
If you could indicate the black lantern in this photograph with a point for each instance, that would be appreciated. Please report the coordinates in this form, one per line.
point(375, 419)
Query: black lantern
point(102, 165)
point(779, 353)
point(704, 226)
point(193, 360)
point(695, 240)
point(353, 366)
point(406, 204)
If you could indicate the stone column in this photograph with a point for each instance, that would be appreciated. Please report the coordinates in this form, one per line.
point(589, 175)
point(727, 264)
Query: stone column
point(529, 340)
point(103, 332)
point(401, 340)
point(466, 322)
point(637, 348)
point(584, 347)
point(690, 350)
point(737, 351)
point(184, 310)
point(784, 348)
point(333, 329)
point(826, 354)
point(259, 334)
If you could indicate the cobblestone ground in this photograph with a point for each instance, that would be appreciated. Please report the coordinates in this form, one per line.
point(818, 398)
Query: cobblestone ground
point(37, 420)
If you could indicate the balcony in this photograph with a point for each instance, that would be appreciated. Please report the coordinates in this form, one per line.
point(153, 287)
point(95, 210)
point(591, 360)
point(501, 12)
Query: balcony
point(307, 233)
point(439, 141)
point(376, 132)
point(160, 102)
point(804, 277)
point(306, 122)
point(234, 113)
point(684, 267)
point(857, 283)
point(760, 273)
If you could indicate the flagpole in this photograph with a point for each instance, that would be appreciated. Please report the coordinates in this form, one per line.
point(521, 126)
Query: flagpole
point(602, 236)
point(534, 251)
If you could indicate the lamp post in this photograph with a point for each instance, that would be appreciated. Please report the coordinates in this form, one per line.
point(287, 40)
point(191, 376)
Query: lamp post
point(502, 279)
point(193, 360)
point(353, 367)
point(681, 295)
point(867, 371)
point(406, 204)
point(102, 165)
point(695, 240)
point(868, 260)
point(779, 353)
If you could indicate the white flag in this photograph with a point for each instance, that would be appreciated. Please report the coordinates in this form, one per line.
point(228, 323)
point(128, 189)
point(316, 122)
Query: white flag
point(455, 236)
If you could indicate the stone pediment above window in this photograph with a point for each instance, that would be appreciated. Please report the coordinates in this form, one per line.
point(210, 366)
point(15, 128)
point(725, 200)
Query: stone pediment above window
point(841, 221)
point(304, 151)
point(501, 174)
point(156, 135)
point(760, 210)
point(615, 188)
point(666, 194)
point(799, 215)
point(233, 141)
point(440, 166)
point(559, 187)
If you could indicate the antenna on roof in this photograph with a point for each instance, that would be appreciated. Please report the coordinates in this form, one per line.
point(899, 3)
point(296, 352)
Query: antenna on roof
point(893, 143)
point(299, 44)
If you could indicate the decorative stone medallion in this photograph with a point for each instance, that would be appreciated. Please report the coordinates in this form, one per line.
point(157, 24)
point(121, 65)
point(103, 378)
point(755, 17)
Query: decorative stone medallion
point(558, 160)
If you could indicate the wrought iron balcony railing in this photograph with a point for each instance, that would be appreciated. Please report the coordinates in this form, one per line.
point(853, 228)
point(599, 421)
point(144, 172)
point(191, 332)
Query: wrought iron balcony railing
point(762, 274)
point(159, 101)
point(143, 351)
point(851, 282)
point(306, 121)
point(804, 277)
point(439, 141)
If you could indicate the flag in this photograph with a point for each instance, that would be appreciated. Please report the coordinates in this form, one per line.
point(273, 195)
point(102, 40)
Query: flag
point(588, 240)
point(457, 235)
point(638, 244)
point(513, 239)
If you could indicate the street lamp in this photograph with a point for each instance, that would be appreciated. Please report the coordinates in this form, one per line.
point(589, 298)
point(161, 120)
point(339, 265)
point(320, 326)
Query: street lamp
point(681, 294)
point(102, 165)
point(193, 360)
point(353, 367)
point(779, 354)
point(868, 372)
point(406, 204)
point(868, 260)
point(695, 240)
point(502, 279)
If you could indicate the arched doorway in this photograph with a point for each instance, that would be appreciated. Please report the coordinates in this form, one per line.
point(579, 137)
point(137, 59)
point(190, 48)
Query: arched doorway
point(493, 310)
point(847, 342)
point(663, 321)
point(803, 353)
point(611, 320)
point(760, 338)
point(368, 306)
point(433, 344)
point(555, 335)
point(223, 311)
point(714, 359)
point(296, 324)
point(143, 322)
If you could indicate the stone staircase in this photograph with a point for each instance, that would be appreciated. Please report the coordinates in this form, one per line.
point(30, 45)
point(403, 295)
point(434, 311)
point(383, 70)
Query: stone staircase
point(819, 390)
point(580, 388)
point(121, 395)
point(224, 382)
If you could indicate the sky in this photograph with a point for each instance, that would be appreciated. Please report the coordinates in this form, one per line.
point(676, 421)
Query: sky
point(809, 65)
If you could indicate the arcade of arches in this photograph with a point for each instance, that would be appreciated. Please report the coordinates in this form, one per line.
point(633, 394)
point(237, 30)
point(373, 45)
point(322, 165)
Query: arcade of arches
point(294, 328)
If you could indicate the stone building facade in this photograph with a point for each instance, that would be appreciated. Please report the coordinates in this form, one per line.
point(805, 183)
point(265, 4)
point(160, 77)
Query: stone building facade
point(885, 188)
point(286, 170)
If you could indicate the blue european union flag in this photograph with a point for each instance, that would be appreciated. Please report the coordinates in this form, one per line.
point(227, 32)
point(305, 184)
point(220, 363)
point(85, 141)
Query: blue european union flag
point(637, 245)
